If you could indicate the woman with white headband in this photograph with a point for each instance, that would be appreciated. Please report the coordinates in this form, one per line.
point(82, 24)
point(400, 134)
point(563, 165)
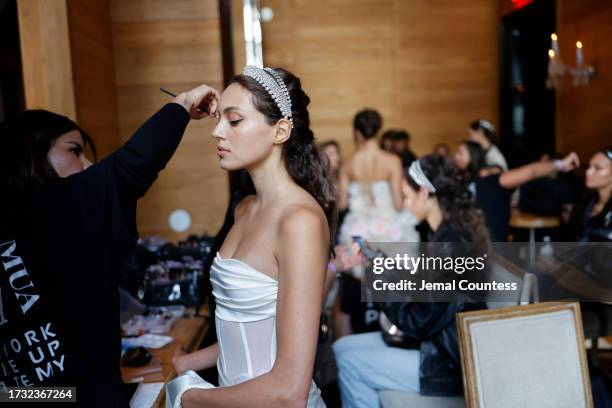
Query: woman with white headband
point(268, 276)
point(430, 364)
point(483, 132)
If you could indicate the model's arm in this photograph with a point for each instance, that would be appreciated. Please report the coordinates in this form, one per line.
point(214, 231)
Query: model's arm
point(302, 256)
point(146, 153)
point(397, 175)
point(521, 175)
point(196, 361)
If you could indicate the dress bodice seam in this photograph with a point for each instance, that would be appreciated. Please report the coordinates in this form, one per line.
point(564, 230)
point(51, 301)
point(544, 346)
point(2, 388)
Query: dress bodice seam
point(257, 271)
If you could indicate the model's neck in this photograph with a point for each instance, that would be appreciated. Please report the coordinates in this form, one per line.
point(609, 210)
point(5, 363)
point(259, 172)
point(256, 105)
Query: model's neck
point(485, 143)
point(270, 178)
point(369, 144)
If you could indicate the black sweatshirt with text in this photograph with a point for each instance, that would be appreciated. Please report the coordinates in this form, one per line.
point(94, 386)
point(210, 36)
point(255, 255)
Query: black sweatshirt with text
point(61, 249)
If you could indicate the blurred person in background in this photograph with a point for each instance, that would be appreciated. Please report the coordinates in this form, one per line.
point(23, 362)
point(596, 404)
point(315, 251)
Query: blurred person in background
point(441, 149)
point(428, 361)
point(492, 191)
point(592, 218)
point(483, 132)
point(400, 145)
point(370, 188)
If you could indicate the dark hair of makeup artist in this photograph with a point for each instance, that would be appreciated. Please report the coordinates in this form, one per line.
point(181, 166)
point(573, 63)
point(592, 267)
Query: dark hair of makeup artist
point(25, 141)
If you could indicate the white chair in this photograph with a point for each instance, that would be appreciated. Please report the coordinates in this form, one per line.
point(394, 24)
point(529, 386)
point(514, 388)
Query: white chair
point(524, 356)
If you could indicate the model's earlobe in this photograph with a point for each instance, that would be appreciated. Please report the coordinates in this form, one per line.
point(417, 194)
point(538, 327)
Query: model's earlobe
point(283, 131)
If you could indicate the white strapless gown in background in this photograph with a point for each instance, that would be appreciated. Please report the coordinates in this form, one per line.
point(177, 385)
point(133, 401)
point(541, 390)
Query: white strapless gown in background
point(246, 330)
point(372, 216)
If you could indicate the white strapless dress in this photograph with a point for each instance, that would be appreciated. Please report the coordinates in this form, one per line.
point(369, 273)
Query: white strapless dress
point(372, 216)
point(246, 330)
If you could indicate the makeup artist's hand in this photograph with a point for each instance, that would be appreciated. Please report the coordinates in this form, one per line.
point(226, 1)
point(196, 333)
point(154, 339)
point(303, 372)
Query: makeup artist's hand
point(200, 102)
point(568, 163)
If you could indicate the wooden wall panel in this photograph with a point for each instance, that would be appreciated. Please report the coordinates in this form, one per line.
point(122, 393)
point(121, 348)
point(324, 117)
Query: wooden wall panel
point(583, 113)
point(94, 72)
point(447, 68)
point(175, 45)
point(428, 67)
point(238, 35)
point(45, 56)
point(163, 10)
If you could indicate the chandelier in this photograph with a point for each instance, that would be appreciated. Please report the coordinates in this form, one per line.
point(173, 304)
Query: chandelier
point(581, 73)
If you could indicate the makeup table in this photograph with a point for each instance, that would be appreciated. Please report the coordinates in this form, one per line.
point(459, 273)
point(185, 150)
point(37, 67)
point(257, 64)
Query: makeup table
point(188, 333)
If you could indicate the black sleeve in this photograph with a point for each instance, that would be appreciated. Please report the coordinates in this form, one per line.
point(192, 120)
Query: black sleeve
point(103, 198)
point(138, 162)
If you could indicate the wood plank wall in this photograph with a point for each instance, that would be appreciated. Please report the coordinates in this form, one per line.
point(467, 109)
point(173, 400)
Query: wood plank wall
point(45, 49)
point(583, 113)
point(175, 45)
point(429, 67)
point(238, 35)
point(94, 72)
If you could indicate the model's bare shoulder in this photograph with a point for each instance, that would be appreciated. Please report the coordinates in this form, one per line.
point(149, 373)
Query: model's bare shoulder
point(347, 167)
point(304, 221)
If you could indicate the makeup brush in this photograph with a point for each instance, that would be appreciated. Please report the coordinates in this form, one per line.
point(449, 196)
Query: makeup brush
point(174, 95)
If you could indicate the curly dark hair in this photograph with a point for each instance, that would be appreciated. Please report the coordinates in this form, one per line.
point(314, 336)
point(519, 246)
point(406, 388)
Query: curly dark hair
point(301, 156)
point(333, 174)
point(368, 122)
point(455, 199)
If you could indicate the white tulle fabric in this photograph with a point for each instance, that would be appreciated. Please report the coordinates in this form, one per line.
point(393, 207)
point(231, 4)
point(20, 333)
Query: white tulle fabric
point(372, 216)
point(246, 329)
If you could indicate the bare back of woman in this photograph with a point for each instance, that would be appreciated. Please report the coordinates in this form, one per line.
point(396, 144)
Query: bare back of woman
point(370, 164)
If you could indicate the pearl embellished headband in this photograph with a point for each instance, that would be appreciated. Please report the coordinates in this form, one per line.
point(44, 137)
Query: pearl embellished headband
point(274, 85)
point(416, 172)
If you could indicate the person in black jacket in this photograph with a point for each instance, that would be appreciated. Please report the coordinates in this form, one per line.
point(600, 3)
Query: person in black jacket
point(435, 193)
point(66, 227)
